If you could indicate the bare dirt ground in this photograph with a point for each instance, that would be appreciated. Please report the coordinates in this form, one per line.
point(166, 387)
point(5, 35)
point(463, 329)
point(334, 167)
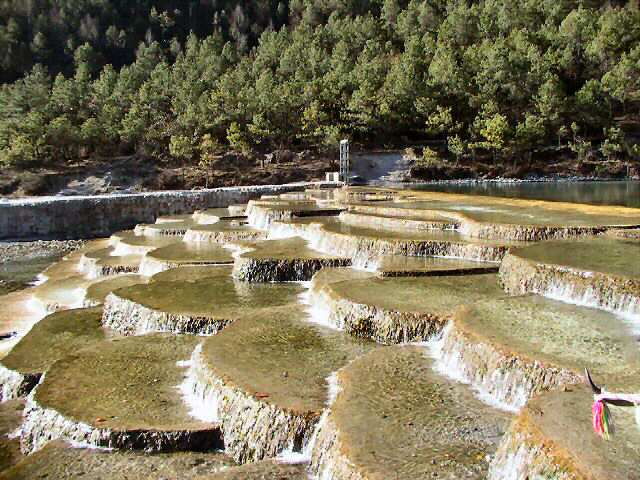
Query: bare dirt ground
point(138, 174)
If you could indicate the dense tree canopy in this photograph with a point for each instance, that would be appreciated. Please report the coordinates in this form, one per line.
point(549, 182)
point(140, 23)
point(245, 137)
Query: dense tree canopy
point(186, 80)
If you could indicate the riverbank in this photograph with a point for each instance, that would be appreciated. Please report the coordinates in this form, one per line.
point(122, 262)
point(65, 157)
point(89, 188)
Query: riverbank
point(136, 174)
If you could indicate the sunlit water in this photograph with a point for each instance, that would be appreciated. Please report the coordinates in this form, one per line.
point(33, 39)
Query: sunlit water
point(625, 192)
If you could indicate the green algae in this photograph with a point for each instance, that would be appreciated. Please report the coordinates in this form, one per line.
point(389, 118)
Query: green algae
point(192, 273)
point(10, 420)
point(53, 337)
point(396, 418)
point(618, 257)
point(192, 253)
point(439, 295)
point(217, 296)
point(284, 249)
point(280, 357)
point(122, 385)
point(402, 265)
point(97, 292)
point(62, 462)
point(129, 237)
point(558, 334)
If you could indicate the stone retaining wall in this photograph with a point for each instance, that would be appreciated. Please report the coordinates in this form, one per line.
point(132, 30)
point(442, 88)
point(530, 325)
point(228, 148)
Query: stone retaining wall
point(101, 215)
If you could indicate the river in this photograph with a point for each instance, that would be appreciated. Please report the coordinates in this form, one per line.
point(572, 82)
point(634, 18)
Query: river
point(625, 193)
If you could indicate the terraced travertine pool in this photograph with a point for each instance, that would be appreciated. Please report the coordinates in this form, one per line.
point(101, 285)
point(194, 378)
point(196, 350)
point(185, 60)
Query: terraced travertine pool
point(344, 334)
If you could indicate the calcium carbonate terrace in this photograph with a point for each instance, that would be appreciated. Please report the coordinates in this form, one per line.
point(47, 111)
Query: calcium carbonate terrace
point(342, 334)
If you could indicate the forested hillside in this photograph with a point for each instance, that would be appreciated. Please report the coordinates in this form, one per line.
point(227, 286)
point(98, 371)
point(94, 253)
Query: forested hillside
point(187, 80)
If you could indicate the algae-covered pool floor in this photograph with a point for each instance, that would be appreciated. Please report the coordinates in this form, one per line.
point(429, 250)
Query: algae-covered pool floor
point(436, 295)
point(123, 385)
point(293, 248)
point(279, 356)
point(219, 295)
point(396, 418)
point(106, 258)
point(402, 265)
point(557, 334)
point(192, 253)
point(53, 337)
point(129, 237)
point(98, 291)
point(619, 257)
point(171, 229)
point(60, 461)
point(10, 420)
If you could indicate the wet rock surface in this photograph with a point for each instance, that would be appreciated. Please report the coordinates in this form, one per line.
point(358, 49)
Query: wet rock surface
point(118, 394)
point(201, 305)
point(10, 420)
point(289, 259)
point(61, 461)
point(54, 337)
point(394, 417)
point(599, 272)
point(266, 377)
point(513, 348)
point(553, 438)
point(394, 310)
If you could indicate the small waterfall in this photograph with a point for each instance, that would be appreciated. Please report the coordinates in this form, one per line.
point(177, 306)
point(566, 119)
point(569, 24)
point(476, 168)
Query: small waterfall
point(318, 307)
point(130, 318)
point(514, 463)
point(122, 249)
point(588, 289)
point(201, 400)
point(449, 361)
point(626, 306)
point(253, 429)
point(149, 266)
point(504, 382)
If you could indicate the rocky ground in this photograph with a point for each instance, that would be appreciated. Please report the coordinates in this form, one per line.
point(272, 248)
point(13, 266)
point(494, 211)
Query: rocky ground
point(136, 174)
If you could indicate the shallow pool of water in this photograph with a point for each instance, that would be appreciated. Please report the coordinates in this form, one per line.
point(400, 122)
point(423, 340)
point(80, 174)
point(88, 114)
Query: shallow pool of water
point(625, 193)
